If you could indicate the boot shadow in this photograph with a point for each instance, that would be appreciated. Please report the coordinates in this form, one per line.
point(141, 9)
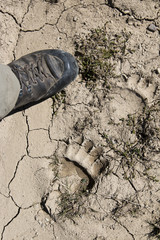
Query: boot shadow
point(20, 109)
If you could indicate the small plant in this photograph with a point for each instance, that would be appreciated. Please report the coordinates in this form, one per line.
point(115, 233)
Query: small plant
point(71, 204)
point(96, 53)
point(155, 233)
point(126, 206)
point(147, 129)
point(134, 156)
point(58, 99)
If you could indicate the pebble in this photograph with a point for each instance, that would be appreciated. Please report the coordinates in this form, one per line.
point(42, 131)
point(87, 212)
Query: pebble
point(151, 27)
point(75, 18)
point(125, 77)
point(130, 20)
point(158, 70)
point(126, 11)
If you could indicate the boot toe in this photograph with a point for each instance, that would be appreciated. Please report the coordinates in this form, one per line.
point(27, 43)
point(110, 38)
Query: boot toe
point(70, 70)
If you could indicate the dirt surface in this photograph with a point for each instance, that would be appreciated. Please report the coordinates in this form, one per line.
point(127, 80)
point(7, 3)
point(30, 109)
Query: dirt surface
point(87, 167)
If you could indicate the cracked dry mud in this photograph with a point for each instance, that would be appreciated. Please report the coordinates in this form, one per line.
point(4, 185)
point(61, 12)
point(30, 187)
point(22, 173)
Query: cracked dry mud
point(47, 157)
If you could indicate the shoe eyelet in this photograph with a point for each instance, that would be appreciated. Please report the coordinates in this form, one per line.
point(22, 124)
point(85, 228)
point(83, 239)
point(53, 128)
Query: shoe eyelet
point(29, 88)
point(21, 93)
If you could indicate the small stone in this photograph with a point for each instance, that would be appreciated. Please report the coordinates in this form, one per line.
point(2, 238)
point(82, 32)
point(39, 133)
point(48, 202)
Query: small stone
point(125, 77)
point(158, 70)
point(126, 12)
point(75, 19)
point(130, 21)
point(151, 27)
point(138, 24)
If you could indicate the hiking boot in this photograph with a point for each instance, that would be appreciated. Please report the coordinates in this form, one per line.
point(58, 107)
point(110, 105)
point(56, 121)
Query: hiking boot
point(42, 74)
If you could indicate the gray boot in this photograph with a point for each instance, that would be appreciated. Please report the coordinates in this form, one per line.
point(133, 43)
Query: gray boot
point(42, 74)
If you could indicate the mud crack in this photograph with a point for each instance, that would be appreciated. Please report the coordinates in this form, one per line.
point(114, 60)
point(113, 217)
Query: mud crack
point(124, 228)
point(111, 4)
point(28, 7)
point(11, 15)
point(27, 140)
point(2, 234)
point(14, 175)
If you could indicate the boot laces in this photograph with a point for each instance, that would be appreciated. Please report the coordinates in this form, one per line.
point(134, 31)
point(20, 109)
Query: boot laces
point(32, 72)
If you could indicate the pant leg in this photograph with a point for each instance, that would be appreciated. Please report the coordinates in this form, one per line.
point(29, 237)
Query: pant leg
point(9, 90)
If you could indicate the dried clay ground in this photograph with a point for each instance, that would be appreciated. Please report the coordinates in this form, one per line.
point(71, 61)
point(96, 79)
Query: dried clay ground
point(85, 164)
